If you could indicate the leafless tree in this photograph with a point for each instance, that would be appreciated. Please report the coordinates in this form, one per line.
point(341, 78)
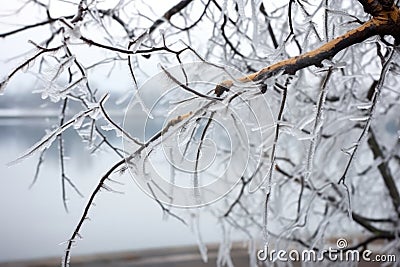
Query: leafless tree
point(296, 102)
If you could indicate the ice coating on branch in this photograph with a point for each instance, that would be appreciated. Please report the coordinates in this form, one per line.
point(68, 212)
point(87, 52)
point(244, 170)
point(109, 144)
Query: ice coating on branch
point(255, 6)
point(66, 262)
point(316, 131)
point(138, 42)
point(110, 127)
point(43, 144)
point(59, 68)
point(364, 106)
point(241, 8)
point(52, 87)
point(87, 135)
point(72, 31)
point(28, 63)
point(334, 65)
point(346, 201)
point(306, 120)
point(288, 128)
point(95, 114)
point(350, 86)
point(78, 122)
point(50, 137)
point(138, 168)
point(224, 6)
point(224, 251)
point(137, 100)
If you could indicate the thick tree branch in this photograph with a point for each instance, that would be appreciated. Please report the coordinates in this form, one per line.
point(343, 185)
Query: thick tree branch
point(387, 22)
point(375, 7)
point(372, 7)
point(367, 225)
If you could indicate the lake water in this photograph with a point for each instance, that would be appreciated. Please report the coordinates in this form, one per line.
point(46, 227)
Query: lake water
point(34, 223)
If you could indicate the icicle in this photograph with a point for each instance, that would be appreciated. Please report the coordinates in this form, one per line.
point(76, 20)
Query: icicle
point(73, 33)
point(28, 65)
point(63, 65)
point(200, 243)
point(86, 135)
point(124, 97)
point(263, 128)
point(306, 121)
point(347, 200)
point(364, 106)
point(108, 127)
point(349, 150)
point(255, 5)
point(364, 118)
point(241, 10)
point(137, 100)
point(332, 64)
point(80, 84)
point(95, 114)
point(138, 42)
point(225, 8)
point(78, 122)
point(224, 251)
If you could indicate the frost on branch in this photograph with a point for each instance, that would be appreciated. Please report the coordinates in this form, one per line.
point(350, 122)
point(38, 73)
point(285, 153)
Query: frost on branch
point(214, 142)
point(75, 122)
point(295, 147)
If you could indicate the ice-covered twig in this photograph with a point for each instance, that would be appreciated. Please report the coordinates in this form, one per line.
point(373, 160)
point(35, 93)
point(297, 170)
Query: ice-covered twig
point(374, 101)
point(27, 63)
point(48, 139)
point(100, 185)
point(116, 126)
point(38, 166)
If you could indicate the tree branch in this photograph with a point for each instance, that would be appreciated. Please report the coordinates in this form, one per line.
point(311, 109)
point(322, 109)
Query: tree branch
point(385, 171)
point(167, 16)
point(387, 22)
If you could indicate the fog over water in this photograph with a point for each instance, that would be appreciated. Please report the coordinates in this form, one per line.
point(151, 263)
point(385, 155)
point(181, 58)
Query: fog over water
point(34, 223)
